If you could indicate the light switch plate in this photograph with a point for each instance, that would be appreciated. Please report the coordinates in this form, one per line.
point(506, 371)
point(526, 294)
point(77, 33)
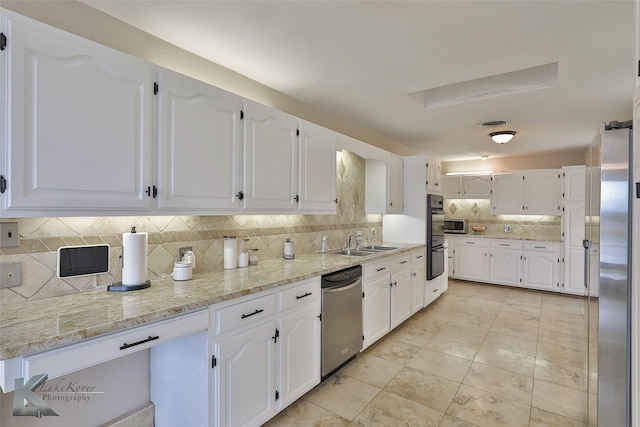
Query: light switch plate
point(9, 236)
point(10, 274)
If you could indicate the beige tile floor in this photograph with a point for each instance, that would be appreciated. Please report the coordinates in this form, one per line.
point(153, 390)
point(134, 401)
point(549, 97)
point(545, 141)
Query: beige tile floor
point(480, 355)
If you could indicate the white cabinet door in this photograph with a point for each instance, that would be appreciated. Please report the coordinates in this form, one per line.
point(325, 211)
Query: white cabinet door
point(317, 169)
point(476, 186)
point(574, 183)
point(574, 252)
point(383, 185)
point(433, 290)
point(394, 184)
point(400, 296)
point(271, 159)
point(417, 285)
point(299, 354)
point(540, 266)
point(246, 376)
point(78, 124)
point(199, 145)
point(505, 263)
point(542, 192)
point(451, 186)
point(508, 193)
point(471, 260)
point(434, 176)
point(376, 310)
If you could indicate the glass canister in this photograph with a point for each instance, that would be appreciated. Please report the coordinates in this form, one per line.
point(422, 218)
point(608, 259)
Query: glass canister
point(230, 252)
point(253, 256)
point(243, 254)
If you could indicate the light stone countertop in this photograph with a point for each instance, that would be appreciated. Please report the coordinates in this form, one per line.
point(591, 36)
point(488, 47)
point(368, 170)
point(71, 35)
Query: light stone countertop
point(35, 326)
point(484, 236)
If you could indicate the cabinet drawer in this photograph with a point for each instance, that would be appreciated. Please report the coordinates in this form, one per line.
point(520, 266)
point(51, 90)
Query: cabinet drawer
point(418, 256)
point(542, 246)
point(92, 352)
point(244, 313)
point(472, 242)
point(400, 261)
point(508, 244)
point(376, 268)
point(300, 294)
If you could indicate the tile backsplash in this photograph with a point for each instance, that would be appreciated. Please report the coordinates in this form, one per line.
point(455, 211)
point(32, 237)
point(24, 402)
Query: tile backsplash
point(41, 237)
point(477, 211)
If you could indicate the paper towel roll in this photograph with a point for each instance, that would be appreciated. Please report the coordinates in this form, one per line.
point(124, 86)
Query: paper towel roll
point(134, 258)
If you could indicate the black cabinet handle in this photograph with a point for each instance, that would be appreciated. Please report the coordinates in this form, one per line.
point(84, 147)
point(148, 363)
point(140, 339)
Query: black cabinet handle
point(244, 316)
point(125, 345)
point(419, 256)
point(297, 199)
point(240, 195)
point(403, 262)
point(302, 296)
point(381, 268)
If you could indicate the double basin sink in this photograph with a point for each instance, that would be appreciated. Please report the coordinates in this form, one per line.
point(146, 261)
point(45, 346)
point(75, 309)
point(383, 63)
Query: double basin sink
point(363, 250)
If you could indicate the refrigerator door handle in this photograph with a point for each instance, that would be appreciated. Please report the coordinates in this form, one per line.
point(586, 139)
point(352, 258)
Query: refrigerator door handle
point(586, 244)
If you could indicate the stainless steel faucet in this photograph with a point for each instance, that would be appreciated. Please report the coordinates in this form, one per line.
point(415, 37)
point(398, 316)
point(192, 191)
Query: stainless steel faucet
point(349, 238)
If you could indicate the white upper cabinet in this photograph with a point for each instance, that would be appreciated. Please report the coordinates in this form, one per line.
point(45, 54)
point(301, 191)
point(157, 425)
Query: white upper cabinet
point(394, 184)
point(451, 186)
point(542, 192)
point(77, 123)
point(271, 159)
point(476, 186)
point(533, 192)
point(508, 193)
point(383, 185)
point(199, 146)
point(466, 186)
point(574, 183)
point(434, 176)
point(317, 169)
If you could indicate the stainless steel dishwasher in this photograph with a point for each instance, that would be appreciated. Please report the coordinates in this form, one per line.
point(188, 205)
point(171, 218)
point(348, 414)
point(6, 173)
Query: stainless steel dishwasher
point(341, 318)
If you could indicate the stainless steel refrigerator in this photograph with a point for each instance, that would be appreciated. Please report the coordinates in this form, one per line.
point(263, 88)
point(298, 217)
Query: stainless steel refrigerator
point(609, 226)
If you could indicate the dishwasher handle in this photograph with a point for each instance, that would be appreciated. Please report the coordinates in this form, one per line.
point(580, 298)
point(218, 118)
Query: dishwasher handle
point(343, 287)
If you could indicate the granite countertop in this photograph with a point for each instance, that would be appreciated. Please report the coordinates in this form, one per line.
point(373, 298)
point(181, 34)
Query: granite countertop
point(35, 326)
point(484, 236)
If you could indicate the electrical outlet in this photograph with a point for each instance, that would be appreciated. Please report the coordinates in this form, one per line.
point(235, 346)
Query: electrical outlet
point(10, 274)
point(373, 232)
point(507, 229)
point(9, 236)
point(359, 234)
point(183, 250)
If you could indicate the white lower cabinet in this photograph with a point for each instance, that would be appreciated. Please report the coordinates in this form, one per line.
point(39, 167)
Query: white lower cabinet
point(505, 265)
point(541, 261)
point(400, 290)
point(265, 353)
point(418, 280)
point(528, 264)
point(376, 304)
point(390, 293)
point(471, 259)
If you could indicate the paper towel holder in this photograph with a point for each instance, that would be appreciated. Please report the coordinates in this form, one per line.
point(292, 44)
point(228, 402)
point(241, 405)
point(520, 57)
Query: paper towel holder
point(119, 286)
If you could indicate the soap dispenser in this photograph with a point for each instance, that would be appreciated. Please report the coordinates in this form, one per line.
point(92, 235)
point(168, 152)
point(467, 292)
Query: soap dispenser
point(324, 244)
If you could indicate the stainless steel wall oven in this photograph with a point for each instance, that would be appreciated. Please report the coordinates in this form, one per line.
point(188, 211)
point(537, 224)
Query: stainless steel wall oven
point(435, 236)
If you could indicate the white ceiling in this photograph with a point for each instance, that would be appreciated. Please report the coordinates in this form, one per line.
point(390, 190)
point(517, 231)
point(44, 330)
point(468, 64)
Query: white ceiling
point(359, 60)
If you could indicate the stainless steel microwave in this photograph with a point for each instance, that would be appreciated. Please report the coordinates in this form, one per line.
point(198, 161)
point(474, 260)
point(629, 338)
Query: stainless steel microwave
point(458, 226)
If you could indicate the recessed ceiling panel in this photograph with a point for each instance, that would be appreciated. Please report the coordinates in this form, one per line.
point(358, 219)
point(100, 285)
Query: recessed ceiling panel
point(540, 77)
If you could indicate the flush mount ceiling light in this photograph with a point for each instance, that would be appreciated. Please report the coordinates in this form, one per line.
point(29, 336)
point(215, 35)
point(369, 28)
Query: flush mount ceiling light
point(502, 137)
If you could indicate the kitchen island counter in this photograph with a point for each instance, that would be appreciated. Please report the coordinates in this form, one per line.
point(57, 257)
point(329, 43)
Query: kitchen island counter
point(35, 326)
